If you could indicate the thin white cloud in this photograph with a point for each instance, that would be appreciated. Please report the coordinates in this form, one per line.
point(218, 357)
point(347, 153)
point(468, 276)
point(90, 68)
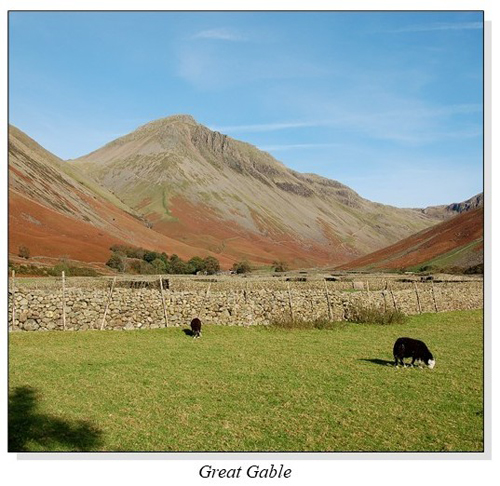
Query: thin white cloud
point(268, 127)
point(210, 66)
point(440, 26)
point(220, 34)
point(411, 124)
point(276, 148)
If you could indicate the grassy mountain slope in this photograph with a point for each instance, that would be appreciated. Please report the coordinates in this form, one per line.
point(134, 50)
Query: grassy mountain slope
point(57, 211)
point(213, 192)
point(455, 243)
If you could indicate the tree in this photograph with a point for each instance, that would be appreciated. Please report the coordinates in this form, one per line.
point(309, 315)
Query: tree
point(117, 262)
point(137, 253)
point(242, 267)
point(129, 251)
point(280, 266)
point(177, 266)
point(198, 263)
point(159, 265)
point(24, 252)
point(149, 256)
point(140, 266)
point(212, 265)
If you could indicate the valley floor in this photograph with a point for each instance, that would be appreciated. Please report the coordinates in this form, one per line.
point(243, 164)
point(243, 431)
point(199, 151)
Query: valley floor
point(248, 389)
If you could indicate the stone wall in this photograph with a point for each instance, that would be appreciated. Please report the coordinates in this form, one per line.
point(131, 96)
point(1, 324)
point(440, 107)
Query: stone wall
point(226, 283)
point(42, 308)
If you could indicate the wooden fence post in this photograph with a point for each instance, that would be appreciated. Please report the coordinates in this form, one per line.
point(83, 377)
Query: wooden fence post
point(107, 303)
point(434, 297)
point(330, 317)
point(13, 298)
point(418, 298)
point(393, 299)
point(63, 300)
point(163, 302)
point(290, 300)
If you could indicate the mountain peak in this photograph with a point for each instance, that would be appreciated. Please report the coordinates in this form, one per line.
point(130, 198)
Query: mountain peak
point(179, 118)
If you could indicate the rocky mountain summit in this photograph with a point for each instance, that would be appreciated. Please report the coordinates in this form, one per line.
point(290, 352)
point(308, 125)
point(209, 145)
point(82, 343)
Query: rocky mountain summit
point(448, 211)
point(174, 185)
point(214, 192)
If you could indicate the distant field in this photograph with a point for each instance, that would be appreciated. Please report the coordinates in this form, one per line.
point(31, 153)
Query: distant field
point(248, 389)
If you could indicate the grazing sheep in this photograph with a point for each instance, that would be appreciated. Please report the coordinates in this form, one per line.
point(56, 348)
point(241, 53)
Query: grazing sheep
point(196, 327)
point(412, 348)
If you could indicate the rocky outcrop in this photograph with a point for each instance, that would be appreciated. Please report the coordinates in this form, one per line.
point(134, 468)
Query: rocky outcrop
point(451, 210)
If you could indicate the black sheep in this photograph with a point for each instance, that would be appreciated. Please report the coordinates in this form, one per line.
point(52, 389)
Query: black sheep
point(412, 348)
point(196, 327)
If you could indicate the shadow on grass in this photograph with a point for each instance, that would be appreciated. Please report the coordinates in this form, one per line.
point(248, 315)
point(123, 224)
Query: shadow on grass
point(188, 332)
point(30, 430)
point(381, 362)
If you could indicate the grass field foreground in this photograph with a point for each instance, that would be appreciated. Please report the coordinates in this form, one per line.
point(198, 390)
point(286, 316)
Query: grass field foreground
point(248, 389)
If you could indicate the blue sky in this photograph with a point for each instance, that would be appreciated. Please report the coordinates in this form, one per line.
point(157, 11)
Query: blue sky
point(389, 103)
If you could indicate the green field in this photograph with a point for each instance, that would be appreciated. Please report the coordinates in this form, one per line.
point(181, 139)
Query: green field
point(248, 389)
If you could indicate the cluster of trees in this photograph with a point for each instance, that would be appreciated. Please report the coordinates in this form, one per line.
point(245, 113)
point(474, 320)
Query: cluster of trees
point(245, 267)
point(242, 267)
point(454, 270)
point(138, 260)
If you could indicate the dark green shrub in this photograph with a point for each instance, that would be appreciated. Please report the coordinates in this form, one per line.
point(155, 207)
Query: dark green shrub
point(280, 266)
point(128, 259)
point(197, 263)
point(149, 256)
point(211, 265)
point(242, 267)
point(177, 266)
point(141, 267)
point(159, 265)
point(116, 262)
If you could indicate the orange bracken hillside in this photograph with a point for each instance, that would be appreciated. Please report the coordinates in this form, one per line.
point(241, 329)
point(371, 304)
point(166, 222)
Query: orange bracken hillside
point(211, 191)
point(55, 215)
point(175, 186)
point(457, 242)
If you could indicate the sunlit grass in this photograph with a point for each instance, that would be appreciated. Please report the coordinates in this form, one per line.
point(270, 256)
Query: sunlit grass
point(242, 389)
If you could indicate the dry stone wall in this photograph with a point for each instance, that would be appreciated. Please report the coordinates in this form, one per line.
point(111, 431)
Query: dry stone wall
point(37, 309)
point(225, 283)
